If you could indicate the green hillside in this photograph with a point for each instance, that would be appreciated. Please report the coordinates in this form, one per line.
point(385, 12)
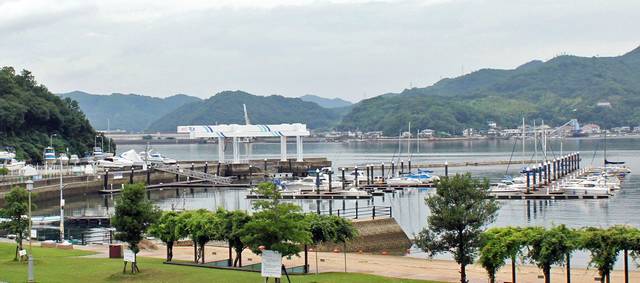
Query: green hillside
point(29, 113)
point(130, 112)
point(558, 90)
point(326, 102)
point(226, 108)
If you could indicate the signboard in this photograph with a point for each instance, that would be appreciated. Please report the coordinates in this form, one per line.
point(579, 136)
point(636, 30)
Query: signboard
point(22, 252)
point(271, 264)
point(34, 234)
point(117, 176)
point(129, 255)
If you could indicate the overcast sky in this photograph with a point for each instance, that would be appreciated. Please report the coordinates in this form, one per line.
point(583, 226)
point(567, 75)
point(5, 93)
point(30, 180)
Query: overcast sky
point(348, 49)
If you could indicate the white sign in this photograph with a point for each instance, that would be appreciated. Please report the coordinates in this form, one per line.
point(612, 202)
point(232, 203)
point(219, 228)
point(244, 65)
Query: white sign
point(22, 252)
point(129, 256)
point(117, 176)
point(271, 264)
point(34, 234)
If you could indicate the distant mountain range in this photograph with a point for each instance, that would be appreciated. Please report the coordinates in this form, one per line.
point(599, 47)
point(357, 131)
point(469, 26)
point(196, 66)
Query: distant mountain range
point(130, 112)
point(556, 91)
point(563, 88)
point(326, 102)
point(226, 108)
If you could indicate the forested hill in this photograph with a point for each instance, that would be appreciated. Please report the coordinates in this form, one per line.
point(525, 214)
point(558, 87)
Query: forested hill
point(130, 112)
point(326, 102)
point(558, 90)
point(29, 113)
point(226, 108)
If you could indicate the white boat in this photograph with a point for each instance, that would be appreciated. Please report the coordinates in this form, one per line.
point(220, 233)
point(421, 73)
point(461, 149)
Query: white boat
point(74, 159)
point(157, 158)
point(586, 188)
point(7, 154)
point(49, 154)
point(11, 164)
point(309, 183)
point(114, 162)
point(132, 156)
point(403, 181)
point(97, 153)
point(63, 158)
point(505, 188)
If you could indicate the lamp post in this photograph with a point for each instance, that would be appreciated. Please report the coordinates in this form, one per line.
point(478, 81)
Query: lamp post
point(61, 206)
point(51, 139)
point(30, 274)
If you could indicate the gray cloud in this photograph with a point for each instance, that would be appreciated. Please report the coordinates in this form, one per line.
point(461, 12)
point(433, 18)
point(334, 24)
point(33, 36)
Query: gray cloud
point(345, 49)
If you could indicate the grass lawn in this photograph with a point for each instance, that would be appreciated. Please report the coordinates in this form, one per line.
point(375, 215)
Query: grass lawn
point(53, 265)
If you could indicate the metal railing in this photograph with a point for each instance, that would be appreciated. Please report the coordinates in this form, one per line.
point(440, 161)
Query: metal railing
point(194, 174)
point(372, 212)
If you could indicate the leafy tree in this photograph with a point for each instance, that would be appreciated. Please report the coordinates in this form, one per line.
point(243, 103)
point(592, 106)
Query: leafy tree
point(166, 229)
point(275, 226)
point(460, 209)
point(549, 246)
point(498, 245)
point(15, 209)
point(134, 215)
point(629, 241)
point(322, 230)
point(201, 226)
point(4, 171)
point(604, 246)
point(232, 223)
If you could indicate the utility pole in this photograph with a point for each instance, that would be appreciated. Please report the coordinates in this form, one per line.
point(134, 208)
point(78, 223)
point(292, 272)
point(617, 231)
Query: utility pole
point(61, 206)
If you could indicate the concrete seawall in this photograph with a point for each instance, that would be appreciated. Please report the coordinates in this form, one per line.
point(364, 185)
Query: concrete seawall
point(375, 236)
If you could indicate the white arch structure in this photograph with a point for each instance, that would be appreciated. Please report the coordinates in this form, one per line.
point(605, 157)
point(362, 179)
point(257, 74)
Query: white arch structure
point(235, 132)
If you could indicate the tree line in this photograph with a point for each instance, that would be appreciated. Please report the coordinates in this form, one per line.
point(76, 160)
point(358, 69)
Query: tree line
point(462, 207)
point(275, 225)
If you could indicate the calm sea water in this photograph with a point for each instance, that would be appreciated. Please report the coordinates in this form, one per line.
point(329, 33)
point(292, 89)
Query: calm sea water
point(408, 207)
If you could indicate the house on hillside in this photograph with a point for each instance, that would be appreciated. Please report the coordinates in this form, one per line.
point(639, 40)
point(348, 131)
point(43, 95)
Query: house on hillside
point(589, 129)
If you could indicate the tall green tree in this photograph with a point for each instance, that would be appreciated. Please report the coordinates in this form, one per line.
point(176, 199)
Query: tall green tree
point(134, 215)
point(15, 209)
point(604, 246)
point(201, 226)
point(166, 229)
point(322, 230)
point(498, 245)
point(629, 241)
point(276, 225)
point(460, 210)
point(549, 246)
point(232, 228)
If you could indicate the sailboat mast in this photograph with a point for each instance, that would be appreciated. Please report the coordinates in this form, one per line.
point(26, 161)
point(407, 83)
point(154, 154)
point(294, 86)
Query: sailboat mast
point(544, 141)
point(605, 148)
point(524, 133)
point(535, 142)
point(409, 142)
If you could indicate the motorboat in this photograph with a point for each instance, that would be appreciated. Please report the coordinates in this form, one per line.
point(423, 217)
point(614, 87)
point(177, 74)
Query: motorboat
point(421, 177)
point(74, 159)
point(586, 188)
point(63, 158)
point(12, 164)
point(49, 154)
point(157, 158)
point(132, 156)
point(114, 162)
point(504, 188)
point(7, 154)
point(97, 153)
point(309, 183)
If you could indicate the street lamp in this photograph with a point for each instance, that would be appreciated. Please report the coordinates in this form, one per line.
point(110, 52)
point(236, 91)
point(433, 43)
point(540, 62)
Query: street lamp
point(51, 139)
point(30, 274)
